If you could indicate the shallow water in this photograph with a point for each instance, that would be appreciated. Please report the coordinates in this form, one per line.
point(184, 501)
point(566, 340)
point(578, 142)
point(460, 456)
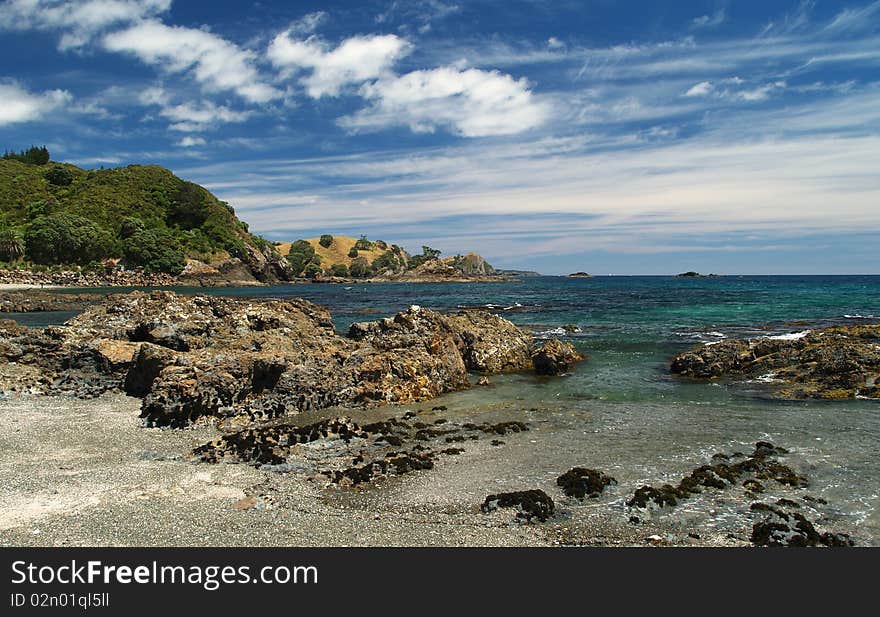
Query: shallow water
point(623, 413)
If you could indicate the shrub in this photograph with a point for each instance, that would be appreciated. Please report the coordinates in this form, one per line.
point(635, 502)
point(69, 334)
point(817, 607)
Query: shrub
point(386, 261)
point(339, 270)
point(360, 268)
point(189, 207)
point(129, 226)
point(353, 252)
point(59, 176)
point(326, 240)
point(301, 254)
point(155, 251)
point(363, 244)
point(66, 239)
point(312, 270)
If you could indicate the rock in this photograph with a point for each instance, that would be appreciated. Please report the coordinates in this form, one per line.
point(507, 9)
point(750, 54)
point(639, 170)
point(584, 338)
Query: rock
point(532, 504)
point(484, 381)
point(191, 357)
point(785, 528)
point(580, 482)
point(490, 344)
point(555, 358)
point(722, 475)
point(841, 362)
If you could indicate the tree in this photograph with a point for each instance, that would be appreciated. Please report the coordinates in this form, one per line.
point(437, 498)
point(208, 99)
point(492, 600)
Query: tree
point(363, 244)
point(339, 270)
point(189, 208)
point(65, 238)
point(301, 254)
point(129, 226)
point(326, 240)
point(387, 261)
point(31, 156)
point(59, 175)
point(312, 270)
point(427, 254)
point(360, 268)
point(154, 250)
point(11, 245)
point(353, 252)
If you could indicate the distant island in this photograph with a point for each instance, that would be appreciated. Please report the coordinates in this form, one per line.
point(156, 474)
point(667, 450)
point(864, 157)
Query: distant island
point(141, 225)
point(580, 275)
point(692, 274)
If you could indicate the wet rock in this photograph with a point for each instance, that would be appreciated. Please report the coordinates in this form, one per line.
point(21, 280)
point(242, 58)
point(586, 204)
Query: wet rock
point(720, 476)
point(581, 482)
point(532, 504)
point(841, 362)
point(555, 358)
point(779, 527)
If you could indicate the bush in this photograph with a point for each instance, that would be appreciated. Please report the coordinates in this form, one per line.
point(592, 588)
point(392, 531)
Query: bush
point(301, 254)
point(353, 252)
point(360, 268)
point(326, 240)
point(386, 261)
point(129, 226)
point(154, 251)
point(363, 244)
point(339, 270)
point(312, 270)
point(189, 208)
point(67, 239)
point(59, 176)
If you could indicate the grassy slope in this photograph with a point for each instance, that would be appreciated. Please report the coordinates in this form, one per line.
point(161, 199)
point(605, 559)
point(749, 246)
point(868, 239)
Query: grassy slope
point(336, 253)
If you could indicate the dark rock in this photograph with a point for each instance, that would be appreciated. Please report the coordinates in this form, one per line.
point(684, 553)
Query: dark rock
point(532, 504)
point(784, 528)
point(580, 482)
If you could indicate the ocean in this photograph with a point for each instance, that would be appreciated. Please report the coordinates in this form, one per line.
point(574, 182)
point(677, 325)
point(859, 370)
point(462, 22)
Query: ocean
point(623, 413)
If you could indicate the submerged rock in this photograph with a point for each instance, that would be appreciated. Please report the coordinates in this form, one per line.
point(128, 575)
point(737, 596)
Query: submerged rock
point(841, 362)
point(532, 504)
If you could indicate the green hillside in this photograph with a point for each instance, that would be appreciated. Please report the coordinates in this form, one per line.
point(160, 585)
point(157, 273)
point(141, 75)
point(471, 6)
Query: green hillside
point(142, 215)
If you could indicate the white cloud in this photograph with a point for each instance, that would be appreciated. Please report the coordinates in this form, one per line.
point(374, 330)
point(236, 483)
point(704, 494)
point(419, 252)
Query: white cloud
point(80, 20)
point(701, 89)
point(354, 61)
point(470, 102)
point(710, 21)
point(19, 105)
point(191, 118)
point(189, 142)
point(854, 19)
point(216, 63)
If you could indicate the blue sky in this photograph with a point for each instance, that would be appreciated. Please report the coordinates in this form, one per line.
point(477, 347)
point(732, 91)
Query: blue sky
point(611, 137)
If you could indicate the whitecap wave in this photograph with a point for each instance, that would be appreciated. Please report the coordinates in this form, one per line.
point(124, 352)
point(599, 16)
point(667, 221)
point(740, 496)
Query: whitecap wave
point(793, 336)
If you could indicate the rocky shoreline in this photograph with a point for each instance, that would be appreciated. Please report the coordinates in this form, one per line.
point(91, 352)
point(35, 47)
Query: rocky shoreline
point(840, 362)
point(194, 357)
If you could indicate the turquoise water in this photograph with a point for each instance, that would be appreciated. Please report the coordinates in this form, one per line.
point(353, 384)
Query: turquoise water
point(622, 412)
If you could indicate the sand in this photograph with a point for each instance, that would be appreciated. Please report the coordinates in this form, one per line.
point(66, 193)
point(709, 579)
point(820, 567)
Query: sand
point(85, 473)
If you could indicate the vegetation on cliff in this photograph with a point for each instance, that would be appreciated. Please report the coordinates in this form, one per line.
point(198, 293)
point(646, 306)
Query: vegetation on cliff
point(141, 215)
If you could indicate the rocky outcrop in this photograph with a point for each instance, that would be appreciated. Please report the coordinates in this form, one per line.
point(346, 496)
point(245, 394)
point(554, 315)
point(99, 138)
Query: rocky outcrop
point(191, 357)
point(832, 363)
point(555, 357)
point(491, 344)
